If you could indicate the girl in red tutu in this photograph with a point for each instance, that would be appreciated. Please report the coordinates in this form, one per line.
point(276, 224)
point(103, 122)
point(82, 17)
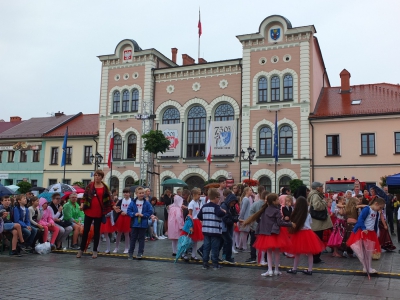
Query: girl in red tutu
point(367, 225)
point(269, 236)
point(123, 222)
point(339, 228)
point(304, 240)
point(197, 233)
point(108, 228)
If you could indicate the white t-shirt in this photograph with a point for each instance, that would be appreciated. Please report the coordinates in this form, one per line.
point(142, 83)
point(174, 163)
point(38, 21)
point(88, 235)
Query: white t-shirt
point(307, 223)
point(195, 206)
point(139, 204)
point(125, 204)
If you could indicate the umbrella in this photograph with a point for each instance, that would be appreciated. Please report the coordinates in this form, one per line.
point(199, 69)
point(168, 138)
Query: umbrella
point(48, 195)
point(184, 243)
point(37, 188)
point(12, 187)
point(364, 249)
point(4, 191)
point(60, 187)
point(173, 182)
point(78, 189)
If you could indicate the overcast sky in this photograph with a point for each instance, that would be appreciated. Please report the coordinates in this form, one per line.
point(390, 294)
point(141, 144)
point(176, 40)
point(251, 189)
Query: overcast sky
point(48, 48)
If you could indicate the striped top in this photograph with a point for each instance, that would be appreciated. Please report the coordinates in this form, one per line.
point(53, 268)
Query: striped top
point(210, 215)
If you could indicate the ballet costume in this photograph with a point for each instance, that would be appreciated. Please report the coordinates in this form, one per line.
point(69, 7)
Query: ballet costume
point(107, 229)
point(197, 234)
point(305, 241)
point(123, 224)
point(339, 230)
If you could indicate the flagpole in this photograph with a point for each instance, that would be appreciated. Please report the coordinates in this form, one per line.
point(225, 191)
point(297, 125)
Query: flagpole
point(112, 154)
point(275, 148)
point(209, 160)
point(200, 32)
point(65, 144)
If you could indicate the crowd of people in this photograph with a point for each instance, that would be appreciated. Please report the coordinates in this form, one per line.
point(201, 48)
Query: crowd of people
point(226, 221)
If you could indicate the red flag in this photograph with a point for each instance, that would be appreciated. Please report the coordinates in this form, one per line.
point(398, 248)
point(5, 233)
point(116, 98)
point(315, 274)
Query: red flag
point(110, 151)
point(209, 143)
point(199, 25)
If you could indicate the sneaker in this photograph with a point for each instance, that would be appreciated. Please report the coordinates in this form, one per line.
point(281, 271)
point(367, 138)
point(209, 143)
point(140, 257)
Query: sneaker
point(220, 260)
point(15, 253)
point(139, 256)
point(115, 250)
point(234, 251)
point(22, 246)
point(173, 254)
point(185, 258)
point(126, 251)
point(277, 273)
point(205, 267)
point(263, 263)
point(345, 254)
point(230, 261)
point(28, 248)
point(195, 259)
point(267, 274)
point(250, 261)
point(130, 256)
point(75, 247)
point(199, 252)
point(107, 252)
point(217, 267)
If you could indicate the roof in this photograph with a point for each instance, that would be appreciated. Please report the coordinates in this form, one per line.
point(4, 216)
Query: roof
point(82, 125)
point(376, 99)
point(36, 127)
point(7, 125)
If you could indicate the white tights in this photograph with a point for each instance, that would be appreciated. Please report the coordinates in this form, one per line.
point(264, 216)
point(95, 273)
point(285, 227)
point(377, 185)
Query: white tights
point(127, 243)
point(297, 260)
point(174, 246)
point(276, 253)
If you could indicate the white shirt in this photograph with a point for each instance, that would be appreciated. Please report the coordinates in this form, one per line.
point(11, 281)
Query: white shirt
point(125, 204)
point(139, 204)
point(307, 223)
point(195, 207)
point(370, 220)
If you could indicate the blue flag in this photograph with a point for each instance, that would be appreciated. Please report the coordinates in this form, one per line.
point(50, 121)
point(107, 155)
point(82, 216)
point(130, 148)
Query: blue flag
point(276, 147)
point(64, 147)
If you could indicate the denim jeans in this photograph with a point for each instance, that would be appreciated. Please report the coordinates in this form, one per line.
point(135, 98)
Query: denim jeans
point(137, 233)
point(29, 235)
point(253, 251)
point(211, 243)
point(227, 238)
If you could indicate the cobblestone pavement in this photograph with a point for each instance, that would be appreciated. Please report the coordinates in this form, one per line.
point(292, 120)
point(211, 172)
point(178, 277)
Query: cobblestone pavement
point(65, 277)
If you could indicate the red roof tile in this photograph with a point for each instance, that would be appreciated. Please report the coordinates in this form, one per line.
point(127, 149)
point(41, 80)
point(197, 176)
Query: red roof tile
point(83, 125)
point(380, 98)
point(7, 125)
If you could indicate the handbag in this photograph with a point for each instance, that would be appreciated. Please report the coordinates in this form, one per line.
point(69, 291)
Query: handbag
point(321, 215)
point(64, 223)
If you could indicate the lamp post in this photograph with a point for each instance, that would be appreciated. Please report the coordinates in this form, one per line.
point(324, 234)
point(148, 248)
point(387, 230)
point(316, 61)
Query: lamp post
point(251, 153)
point(96, 159)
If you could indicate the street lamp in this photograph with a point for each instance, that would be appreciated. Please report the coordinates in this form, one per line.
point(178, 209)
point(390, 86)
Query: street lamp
point(251, 153)
point(96, 159)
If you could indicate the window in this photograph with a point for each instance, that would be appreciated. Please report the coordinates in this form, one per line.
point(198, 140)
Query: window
point(54, 156)
point(368, 144)
point(117, 151)
point(332, 145)
point(114, 183)
point(22, 156)
point(125, 101)
point(86, 182)
point(67, 181)
point(262, 89)
point(224, 112)
point(11, 156)
point(265, 181)
point(68, 156)
point(284, 182)
point(135, 100)
point(131, 153)
point(34, 182)
point(265, 138)
point(129, 181)
point(275, 88)
point(52, 181)
point(288, 87)
point(396, 143)
point(196, 132)
point(171, 116)
point(88, 153)
point(36, 155)
point(286, 140)
point(116, 102)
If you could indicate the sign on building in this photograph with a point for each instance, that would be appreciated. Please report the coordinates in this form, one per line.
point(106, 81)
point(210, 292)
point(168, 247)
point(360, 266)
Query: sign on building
point(173, 133)
point(223, 137)
point(3, 175)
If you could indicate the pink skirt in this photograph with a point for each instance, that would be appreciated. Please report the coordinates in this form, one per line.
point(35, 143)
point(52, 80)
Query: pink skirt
point(123, 224)
point(339, 230)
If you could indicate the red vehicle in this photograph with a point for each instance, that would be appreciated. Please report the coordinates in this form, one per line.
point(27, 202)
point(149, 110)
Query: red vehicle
point(342, 185)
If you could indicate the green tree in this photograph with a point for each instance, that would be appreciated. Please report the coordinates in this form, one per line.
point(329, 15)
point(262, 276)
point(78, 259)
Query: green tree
point(78, 183)
point(210, 181)
point(24, 187)
point(155, 142)
point(382, 183)
point(294, 184)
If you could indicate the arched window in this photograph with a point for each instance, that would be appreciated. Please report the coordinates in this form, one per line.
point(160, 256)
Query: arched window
point(262, 89)
point(125, 101)
point(265, 181)
point(131, 153)
point(117, 150)
point(284, 181)
point(224, 112)
point(275, 88)
point(116, 102)
point(195, 182)
point(286, 140)
point(129, 181)
point(288, 87)
point(135, 100)
point(196, 132)
point(114, 183)
point(171, 116)
point(265, 138)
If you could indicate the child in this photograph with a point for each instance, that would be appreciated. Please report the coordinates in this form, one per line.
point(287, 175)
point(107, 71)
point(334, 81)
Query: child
point(244, 214)
point(123, 221)
point(175, 222)
point(304, 240)
point(47, 222)
point(156, 223)
point(367, 226)
point(339, 228)
point(287, 212)
point(14, 250)
point(139, 210)
point(8, 217)
point(21, 216)
point(210, 214)
point(351, 220)
point(270, 238)
point(194, 209)
point(230, 218)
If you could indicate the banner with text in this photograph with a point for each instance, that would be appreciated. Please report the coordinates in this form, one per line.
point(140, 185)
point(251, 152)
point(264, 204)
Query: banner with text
point(223, 138)
point(173, 133)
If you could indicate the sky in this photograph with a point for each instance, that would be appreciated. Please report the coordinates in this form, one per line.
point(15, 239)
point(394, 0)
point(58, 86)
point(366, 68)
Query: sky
point(49, 49)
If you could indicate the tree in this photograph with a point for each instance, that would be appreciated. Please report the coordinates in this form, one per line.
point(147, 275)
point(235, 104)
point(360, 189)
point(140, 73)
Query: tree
point(294, 185)
point(382, 183)
point(24, 187)
point(155, 142)
point(79, 183)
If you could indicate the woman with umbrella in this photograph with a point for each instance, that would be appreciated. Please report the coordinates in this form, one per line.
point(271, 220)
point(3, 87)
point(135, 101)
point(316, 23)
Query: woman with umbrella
point(96, 203)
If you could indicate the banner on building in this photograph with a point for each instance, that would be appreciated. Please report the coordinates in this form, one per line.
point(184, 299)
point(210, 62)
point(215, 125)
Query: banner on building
point(173, 133)
point(223, 138)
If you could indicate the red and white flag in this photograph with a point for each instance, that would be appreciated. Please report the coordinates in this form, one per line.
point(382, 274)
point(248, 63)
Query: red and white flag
point(209, 143)
point(199, 25)
point(110, 151)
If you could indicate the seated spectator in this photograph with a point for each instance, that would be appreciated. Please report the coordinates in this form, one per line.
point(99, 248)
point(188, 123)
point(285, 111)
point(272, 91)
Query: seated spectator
point(21, 216)
point(8, 220)
point(14, 240)
point(64, 226)
point(72, 213)
point(35, 215)
point(47, 222)
point(157, 225)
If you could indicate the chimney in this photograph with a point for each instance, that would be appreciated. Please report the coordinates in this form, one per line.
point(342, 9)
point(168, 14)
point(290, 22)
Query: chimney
point(174, 53)
point(59, 114)
point(15, 119)
point(345, 81)
point(202, 61)
point(187, 60)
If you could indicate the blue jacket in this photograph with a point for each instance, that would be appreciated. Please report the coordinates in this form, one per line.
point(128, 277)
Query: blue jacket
point(18, 217)
point(361, 220)
point(147, 210)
